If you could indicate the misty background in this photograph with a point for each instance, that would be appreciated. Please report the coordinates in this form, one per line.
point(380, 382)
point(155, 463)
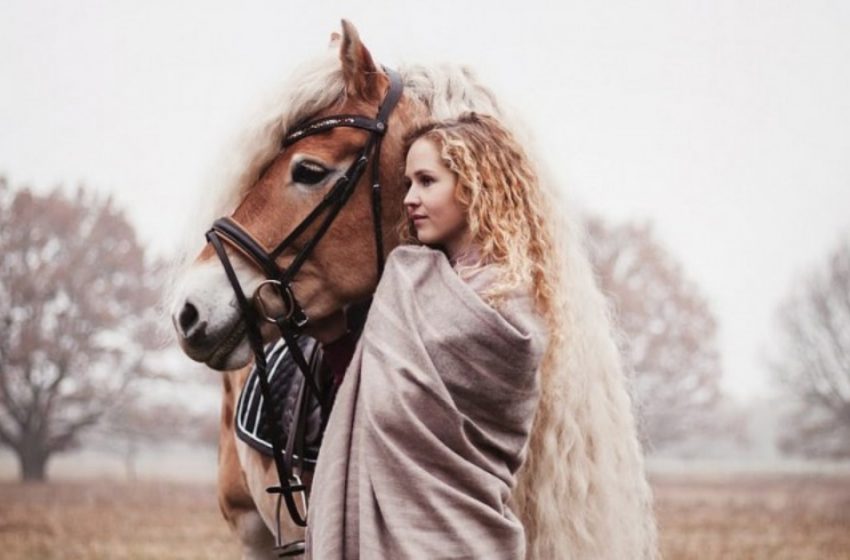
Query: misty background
point(709, 140)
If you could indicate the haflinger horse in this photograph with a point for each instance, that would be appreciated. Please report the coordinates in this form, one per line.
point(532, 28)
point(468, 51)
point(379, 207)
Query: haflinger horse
point(582, 491)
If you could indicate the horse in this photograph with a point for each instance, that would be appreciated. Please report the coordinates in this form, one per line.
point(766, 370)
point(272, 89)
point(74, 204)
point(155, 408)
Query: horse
point(582, 491)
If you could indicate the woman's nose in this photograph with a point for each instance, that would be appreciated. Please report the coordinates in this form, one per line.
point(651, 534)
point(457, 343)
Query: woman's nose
point(411, 198)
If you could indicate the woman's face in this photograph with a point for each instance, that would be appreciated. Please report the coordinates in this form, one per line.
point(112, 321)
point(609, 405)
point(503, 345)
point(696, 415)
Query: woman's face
point(439, 219)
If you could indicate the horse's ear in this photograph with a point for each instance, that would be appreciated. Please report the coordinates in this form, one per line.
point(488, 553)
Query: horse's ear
point(358, 69)
point(335, 37)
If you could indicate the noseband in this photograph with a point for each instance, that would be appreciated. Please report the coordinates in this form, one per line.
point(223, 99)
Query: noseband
point(292, 322)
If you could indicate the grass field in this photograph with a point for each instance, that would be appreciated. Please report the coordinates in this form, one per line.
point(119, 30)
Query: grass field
point(706, 517)
point(753, 516)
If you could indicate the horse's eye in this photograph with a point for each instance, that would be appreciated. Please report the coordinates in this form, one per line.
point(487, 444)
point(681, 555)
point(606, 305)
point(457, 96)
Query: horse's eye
point(308, 173)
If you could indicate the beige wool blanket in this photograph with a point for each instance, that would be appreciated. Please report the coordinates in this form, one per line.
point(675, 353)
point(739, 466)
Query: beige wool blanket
point(431, 421)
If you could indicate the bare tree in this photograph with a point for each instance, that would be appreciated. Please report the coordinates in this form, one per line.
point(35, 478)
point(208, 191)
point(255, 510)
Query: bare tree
point(77, 310)
point(814, 369)
point(140, 423)
point(668, 333)
point(179, 407)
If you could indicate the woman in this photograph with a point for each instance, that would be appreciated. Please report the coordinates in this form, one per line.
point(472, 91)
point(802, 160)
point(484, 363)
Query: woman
point(432, 419)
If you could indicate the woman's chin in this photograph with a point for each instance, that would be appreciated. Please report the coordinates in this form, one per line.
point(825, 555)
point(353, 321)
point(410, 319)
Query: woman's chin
point(426, 238)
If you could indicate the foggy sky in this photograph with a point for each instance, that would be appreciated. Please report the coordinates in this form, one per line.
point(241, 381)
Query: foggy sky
point(723, 123)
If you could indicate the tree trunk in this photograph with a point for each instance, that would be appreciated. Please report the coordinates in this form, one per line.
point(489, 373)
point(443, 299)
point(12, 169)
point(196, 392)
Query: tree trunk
point(130, 460)
point(33, 465)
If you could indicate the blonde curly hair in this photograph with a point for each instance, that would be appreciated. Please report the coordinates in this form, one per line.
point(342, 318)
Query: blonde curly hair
point(506, 210)
point(581, 492)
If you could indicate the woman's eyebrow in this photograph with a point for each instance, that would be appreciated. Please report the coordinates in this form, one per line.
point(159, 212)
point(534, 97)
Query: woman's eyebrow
point(421, 171)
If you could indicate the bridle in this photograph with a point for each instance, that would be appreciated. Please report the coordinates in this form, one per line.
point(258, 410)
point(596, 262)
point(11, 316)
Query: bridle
point(292, 322)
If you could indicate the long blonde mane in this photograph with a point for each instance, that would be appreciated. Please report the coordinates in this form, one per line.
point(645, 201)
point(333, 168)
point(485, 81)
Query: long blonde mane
point(582, 491)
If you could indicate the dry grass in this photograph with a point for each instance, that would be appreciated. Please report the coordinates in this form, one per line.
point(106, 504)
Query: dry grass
point(708, 517)
point(112, 520)
point(753, 517)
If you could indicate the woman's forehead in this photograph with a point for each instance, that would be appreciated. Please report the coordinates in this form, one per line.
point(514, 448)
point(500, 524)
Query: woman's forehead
point(424, 153)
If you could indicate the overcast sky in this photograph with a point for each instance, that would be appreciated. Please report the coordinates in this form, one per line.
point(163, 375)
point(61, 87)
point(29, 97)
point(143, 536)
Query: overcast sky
point(725, 123)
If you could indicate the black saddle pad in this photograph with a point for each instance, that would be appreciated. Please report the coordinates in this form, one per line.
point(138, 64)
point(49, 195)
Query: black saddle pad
point(254, 427)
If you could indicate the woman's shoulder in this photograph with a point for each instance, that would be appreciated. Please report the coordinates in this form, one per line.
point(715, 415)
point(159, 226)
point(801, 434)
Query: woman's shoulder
point(408, 252)
point(421, 265)
point(516, 306)
point(416, 259)
point(519, 309)
point(424, 258)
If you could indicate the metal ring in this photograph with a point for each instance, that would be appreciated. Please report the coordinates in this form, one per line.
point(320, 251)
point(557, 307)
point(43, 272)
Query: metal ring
point(288, 300)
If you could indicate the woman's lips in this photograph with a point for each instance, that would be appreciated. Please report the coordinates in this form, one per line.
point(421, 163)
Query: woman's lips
point(419, 218)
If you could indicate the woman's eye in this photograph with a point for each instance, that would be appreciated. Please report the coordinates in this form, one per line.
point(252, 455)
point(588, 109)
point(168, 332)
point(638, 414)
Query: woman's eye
point(308, 173)
point(426, 181)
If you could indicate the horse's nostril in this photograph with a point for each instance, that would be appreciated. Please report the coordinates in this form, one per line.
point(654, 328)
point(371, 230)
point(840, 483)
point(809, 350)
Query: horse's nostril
point(188, 317)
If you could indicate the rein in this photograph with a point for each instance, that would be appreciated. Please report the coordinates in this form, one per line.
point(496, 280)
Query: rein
point(292, 322)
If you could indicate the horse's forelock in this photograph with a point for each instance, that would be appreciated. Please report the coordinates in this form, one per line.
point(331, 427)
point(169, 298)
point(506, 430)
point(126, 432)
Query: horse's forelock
point(312, 86)
point(315, 85)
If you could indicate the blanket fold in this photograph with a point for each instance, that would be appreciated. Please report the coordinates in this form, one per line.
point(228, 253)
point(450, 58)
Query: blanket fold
point(431, 421)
